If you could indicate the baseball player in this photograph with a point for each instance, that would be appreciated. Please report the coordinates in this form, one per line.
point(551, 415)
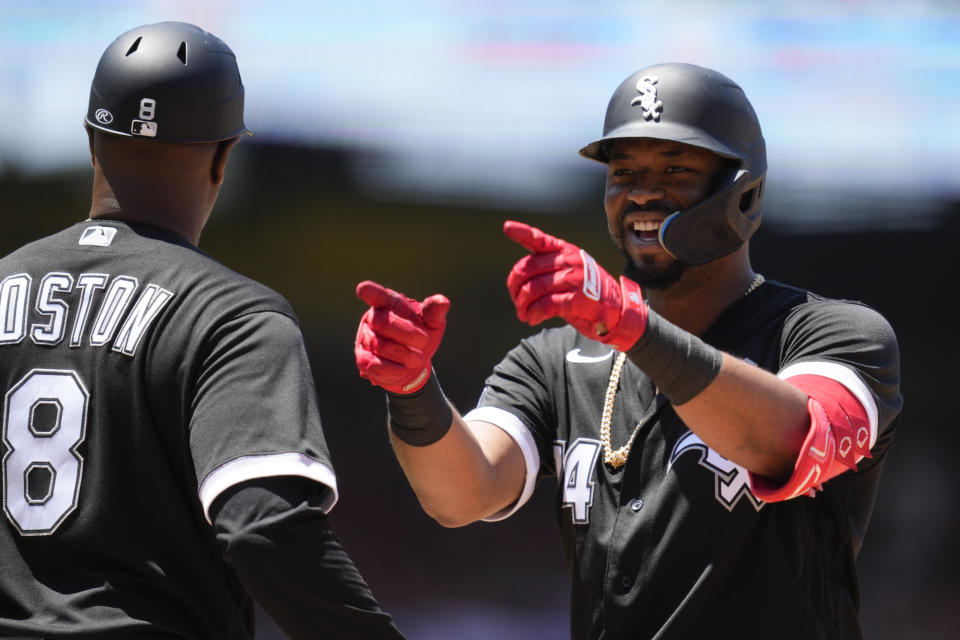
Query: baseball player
point(163, 457)
point(717, 437)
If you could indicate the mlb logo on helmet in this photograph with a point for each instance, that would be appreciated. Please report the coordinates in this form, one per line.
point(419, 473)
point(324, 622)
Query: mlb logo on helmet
point(144, 128)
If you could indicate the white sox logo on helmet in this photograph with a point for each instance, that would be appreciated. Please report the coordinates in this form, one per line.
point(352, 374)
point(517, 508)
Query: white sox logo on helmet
point(647, 86)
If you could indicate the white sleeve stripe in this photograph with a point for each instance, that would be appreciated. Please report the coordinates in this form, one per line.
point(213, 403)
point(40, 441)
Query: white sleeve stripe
point(845, 376)
point(516, 429)
point(266, 466)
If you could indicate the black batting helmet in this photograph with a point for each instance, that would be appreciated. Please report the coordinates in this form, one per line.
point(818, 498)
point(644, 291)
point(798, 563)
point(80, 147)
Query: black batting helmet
point(170, 81)
point(700, 107)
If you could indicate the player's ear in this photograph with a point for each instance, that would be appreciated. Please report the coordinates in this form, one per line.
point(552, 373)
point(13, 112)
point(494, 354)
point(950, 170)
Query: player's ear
point(93, 157)
point(219, 165)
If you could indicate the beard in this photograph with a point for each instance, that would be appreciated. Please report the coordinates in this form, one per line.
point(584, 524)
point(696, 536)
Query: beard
point(651, 275)
point(646, 271)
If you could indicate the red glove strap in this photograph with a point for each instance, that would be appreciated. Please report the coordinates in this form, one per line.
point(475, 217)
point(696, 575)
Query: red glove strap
point(633, 317)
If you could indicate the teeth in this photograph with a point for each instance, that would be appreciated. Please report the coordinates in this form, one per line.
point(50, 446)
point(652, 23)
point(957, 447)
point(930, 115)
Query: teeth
point(646, 226)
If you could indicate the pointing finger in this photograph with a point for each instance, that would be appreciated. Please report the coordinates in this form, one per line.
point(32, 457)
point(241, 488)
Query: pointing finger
point(435, 310)
point(531, 238)
point(374, 294)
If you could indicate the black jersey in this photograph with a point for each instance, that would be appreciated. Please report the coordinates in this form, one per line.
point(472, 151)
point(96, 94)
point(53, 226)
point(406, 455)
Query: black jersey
point(142, 379)
point(674, 544)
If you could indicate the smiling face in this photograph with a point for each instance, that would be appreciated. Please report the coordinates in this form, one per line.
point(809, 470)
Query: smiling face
point(647, 181)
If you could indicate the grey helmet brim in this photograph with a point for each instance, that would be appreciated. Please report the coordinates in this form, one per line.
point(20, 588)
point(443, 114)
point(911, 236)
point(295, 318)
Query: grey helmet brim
point(597, 150)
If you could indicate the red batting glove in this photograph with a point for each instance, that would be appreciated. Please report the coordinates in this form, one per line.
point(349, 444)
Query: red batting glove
point(561, 279)
point(397, 337)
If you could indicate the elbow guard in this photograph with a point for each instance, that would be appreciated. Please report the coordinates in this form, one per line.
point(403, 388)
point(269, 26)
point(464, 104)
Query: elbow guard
point(841, 434)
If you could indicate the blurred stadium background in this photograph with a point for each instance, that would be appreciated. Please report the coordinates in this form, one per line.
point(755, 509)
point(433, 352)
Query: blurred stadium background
point(393, 138)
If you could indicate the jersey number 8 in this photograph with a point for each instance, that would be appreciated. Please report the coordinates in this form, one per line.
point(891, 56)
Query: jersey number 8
point(44, 421)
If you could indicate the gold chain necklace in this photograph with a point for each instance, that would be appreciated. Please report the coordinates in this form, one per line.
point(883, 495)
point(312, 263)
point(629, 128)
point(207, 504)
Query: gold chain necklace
point(618, 458)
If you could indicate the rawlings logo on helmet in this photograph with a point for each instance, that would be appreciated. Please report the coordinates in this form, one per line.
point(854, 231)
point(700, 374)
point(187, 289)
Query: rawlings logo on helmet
point(647, 86)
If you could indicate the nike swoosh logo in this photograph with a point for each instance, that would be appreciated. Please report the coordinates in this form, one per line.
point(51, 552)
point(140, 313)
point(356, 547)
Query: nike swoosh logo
point(574, 356)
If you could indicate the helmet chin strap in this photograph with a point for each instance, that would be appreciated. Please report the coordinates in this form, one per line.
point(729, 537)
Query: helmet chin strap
point(716, 226)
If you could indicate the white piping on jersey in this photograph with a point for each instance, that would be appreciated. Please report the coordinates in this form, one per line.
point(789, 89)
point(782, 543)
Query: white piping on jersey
point(575, 356)
point(845, 376)
point(266, 466)
point(516, 429)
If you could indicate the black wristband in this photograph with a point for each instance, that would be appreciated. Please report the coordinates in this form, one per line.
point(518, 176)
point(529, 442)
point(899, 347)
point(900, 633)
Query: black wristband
point(678, 362)
point(420, 418)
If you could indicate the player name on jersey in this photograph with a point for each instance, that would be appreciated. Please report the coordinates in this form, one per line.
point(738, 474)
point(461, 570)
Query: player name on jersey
point(62, 297)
